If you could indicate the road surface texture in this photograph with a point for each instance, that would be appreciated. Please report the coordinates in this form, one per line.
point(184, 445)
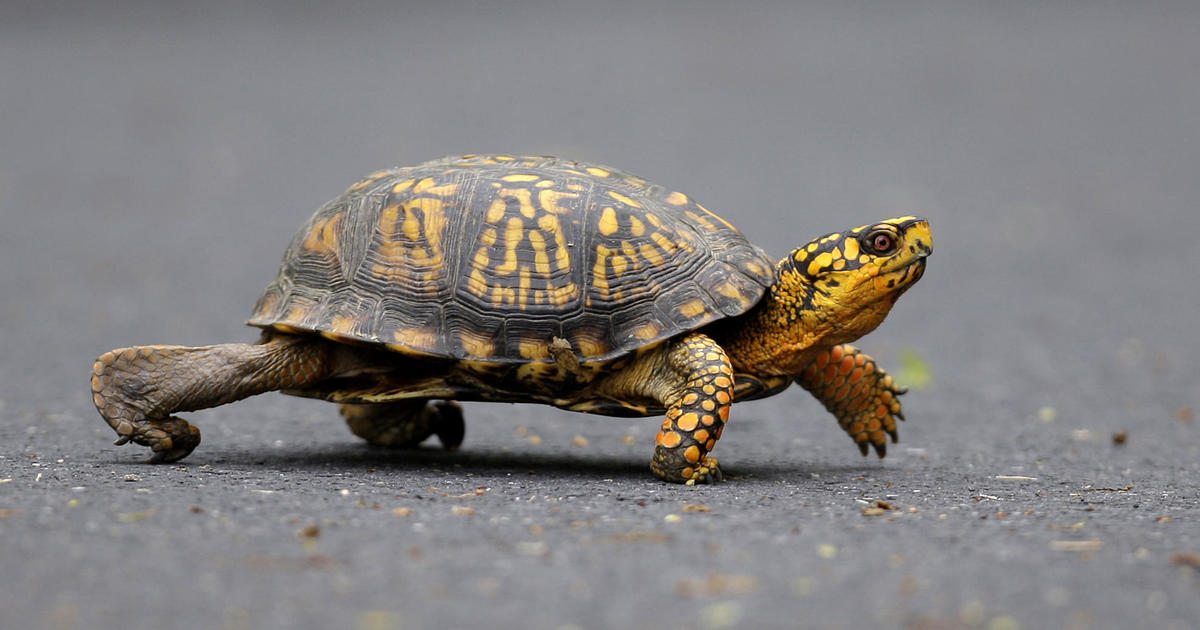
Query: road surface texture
point(156, 161)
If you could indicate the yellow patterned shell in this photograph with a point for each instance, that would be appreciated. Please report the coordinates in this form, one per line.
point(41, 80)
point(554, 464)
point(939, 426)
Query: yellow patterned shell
point(493, 258)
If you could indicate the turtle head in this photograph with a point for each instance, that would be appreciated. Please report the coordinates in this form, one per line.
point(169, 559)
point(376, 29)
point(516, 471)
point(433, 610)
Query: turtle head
point(840, 286)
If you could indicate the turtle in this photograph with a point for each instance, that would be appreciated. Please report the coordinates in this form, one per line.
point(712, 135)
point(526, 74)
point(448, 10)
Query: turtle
point(539, 280)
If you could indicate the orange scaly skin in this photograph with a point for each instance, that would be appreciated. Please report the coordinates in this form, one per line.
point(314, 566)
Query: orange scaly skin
point(863, 398)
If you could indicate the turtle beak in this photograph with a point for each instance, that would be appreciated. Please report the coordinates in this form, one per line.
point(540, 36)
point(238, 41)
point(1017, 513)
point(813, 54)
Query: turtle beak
point(919, 242)
point(918, 238)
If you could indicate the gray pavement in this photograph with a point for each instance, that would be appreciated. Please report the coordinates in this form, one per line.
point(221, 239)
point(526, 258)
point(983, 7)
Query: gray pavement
point(156, 161)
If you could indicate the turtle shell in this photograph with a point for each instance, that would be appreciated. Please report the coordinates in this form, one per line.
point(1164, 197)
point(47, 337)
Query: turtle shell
point(494, 258)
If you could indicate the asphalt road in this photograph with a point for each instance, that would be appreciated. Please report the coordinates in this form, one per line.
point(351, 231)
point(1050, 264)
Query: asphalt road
point(156, 161)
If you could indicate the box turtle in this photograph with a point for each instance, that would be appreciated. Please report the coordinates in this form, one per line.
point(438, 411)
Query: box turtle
point(539, 280)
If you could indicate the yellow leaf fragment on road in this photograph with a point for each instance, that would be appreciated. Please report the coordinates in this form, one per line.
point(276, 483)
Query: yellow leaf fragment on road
point(914, 372)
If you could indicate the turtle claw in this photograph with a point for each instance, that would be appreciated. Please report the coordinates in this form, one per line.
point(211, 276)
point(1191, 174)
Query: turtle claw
point(707, 471)
point(866, 442)
point(714, 473)
point(170, 439)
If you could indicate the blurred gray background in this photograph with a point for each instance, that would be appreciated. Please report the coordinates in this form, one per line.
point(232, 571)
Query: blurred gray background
point(155, 160)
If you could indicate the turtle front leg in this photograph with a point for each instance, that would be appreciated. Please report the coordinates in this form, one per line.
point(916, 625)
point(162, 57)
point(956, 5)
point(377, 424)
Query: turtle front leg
point(697, 399)
point(865, 400)
point(137, 389)
point(405, 423)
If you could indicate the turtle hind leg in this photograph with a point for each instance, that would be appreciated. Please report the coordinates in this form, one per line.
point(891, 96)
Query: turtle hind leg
point(405, 423)
point(136, 390)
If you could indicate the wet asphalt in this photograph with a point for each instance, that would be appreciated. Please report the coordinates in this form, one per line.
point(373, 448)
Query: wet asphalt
point(157, 159)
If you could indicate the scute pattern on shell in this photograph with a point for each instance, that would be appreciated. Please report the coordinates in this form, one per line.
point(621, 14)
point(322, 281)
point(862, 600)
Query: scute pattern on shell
point(490, 258)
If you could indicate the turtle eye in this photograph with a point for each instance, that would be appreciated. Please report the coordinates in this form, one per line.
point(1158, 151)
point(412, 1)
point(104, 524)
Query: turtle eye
point(881, 242)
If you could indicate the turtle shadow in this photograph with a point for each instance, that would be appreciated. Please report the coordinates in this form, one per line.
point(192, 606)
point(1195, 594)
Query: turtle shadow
point(484, 462)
